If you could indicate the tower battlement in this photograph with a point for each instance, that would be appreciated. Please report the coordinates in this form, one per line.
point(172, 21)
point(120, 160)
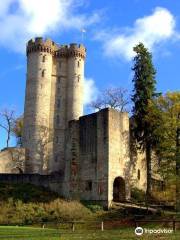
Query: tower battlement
point(47, 45)
point(42, 45)
point(72, 50)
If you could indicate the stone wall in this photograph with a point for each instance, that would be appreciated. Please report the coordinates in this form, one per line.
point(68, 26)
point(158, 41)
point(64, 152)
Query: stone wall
point(52, 182)
point(86, 158)
point(119, 156)
point(97, 153)
point(139, 170)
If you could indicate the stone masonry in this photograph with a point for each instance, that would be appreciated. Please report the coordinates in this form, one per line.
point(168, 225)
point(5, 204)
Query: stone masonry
point(90, 154)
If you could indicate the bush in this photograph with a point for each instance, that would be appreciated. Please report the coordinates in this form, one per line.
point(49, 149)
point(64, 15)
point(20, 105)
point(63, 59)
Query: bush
point(15, 211)
point(138, 195)
point(93, 206)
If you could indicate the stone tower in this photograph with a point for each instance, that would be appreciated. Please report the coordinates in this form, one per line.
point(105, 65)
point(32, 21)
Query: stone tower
point(54, 96)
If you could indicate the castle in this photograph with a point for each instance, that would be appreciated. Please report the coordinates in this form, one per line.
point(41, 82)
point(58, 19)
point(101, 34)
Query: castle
point(90, 153)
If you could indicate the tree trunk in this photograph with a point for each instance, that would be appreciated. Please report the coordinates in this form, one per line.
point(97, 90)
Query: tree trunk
point(8, 138)
point(178, 167)
point(148, 165)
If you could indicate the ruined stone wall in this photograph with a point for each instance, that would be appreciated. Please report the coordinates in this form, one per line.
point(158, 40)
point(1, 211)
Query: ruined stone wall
point(139, 171)
point(52, 182)
point(87, 158)
point(98, 152)
point(119, 158)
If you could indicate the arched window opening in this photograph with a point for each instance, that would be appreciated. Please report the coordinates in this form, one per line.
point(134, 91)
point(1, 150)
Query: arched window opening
point(78, 63)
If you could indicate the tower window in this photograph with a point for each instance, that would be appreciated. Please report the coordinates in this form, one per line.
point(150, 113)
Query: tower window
point(59, 80)
point(58, 103)
point(78, 78)
point(43, 73)
point(44, 58)
point(139, 174)
point(57, 119)
point(57, 139)
point(78, 63)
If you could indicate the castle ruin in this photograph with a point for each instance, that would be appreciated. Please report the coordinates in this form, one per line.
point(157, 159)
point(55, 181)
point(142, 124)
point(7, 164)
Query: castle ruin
point(90, 153)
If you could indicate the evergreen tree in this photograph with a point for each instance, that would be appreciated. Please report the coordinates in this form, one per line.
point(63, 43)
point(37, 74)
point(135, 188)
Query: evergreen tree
point(144, 91)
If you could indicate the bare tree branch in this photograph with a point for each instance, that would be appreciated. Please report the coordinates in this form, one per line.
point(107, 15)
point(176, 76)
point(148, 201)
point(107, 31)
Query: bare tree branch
point(116, 98)
point(7, 121)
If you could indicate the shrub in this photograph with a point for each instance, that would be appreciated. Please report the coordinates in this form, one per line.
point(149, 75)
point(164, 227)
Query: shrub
point(138, 195)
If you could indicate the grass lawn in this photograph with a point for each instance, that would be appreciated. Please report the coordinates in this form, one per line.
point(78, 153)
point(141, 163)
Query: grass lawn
point(30, 233)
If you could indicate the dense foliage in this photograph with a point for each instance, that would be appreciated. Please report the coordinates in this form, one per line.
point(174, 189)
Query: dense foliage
point(144, 91)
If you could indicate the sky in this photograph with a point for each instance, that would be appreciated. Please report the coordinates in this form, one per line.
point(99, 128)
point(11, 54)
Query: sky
point(112, 29)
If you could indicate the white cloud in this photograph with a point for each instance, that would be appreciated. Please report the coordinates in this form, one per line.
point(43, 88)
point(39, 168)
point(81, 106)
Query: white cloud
point(150, 30)
point(21, 20)
point(90, 91)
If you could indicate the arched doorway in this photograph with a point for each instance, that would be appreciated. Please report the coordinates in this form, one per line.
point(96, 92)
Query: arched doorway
point(119, 193)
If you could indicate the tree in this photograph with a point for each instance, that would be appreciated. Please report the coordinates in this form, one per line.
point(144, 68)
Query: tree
point(144, 91)
point(116, 98)
point(18, 130)
point(7, 121)
point(164, 117)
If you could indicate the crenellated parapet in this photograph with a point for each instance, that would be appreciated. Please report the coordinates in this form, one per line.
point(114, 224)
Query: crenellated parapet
point(72, 50)
point(40, 45)
point(76, 50)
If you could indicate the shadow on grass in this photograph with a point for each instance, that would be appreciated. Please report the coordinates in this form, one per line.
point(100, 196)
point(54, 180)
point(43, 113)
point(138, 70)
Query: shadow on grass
point(27, 193)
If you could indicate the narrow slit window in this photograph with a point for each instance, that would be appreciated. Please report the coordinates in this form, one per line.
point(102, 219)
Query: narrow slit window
point(58, 103)
point(139, 174)
point(44, 58)
point(57, 119)
point(88, 186)
point(43, 73)
point(78, 63)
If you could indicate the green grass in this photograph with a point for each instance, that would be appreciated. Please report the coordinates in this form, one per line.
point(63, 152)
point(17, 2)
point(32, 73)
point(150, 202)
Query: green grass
point(32, 233)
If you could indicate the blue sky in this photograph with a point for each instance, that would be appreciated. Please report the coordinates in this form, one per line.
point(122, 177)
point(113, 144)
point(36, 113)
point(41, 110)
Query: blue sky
point(112, 29)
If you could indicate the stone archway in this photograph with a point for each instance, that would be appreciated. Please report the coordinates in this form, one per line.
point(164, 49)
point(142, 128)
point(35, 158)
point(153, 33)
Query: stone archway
point(119, 192)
